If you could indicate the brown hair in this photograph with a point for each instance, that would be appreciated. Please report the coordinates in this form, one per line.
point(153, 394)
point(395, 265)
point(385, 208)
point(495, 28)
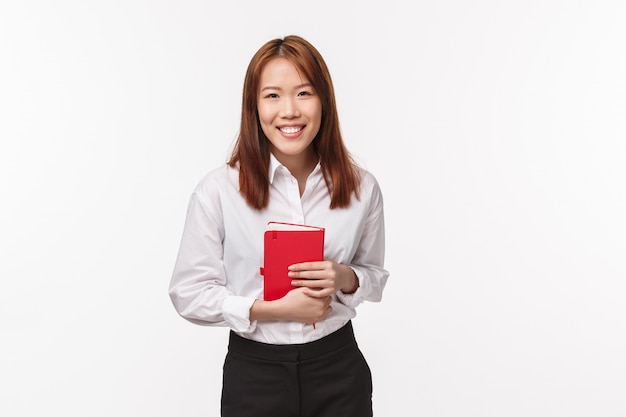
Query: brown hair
point(252, 148)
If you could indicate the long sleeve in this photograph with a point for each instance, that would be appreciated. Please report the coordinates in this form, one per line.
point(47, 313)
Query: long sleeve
point(369, 257)
point(198, 286)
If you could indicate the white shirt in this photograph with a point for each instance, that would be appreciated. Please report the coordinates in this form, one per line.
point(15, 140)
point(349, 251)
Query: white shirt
point(217, 275)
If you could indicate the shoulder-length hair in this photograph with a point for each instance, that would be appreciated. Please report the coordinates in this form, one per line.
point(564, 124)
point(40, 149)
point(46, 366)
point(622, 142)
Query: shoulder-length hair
point(252, 148)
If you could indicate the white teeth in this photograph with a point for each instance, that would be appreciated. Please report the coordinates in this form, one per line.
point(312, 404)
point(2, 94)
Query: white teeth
point(290, 129)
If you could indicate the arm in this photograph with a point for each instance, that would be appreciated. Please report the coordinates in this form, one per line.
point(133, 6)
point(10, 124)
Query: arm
point(364, 277)
point(369, 259)
point(198, 286)
point(294, 306)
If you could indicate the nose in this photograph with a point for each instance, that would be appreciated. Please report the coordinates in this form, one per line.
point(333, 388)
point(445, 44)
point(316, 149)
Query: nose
point(289, 109)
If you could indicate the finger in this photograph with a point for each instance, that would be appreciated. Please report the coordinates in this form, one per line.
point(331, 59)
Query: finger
point(319, 292)
point(307, 283)
point(308, 274)
point(307, 266)
point(313, 283)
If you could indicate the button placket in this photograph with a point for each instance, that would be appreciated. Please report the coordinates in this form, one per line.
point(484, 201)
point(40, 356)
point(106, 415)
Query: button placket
point(293, 193)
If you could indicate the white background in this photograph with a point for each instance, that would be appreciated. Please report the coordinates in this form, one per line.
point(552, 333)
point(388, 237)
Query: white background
point(497, 131)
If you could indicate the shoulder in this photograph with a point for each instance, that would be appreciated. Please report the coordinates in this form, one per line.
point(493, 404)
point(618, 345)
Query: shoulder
point(219, 179)
point(220, 176)
point(368, 182)
point(370, 194)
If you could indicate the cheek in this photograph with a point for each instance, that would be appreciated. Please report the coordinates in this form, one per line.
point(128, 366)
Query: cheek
point(315, 112)
point(266, 123)
point(264, 115)
point(317, 120)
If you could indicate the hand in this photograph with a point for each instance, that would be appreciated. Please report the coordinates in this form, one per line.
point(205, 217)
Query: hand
point(297, 306)
point(323, 278)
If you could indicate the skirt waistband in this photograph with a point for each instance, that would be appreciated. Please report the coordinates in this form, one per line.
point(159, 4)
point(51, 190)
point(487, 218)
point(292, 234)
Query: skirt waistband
point(336, 340)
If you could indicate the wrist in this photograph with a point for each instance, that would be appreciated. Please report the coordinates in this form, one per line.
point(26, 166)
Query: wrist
point(265, 310)
point(353, 282)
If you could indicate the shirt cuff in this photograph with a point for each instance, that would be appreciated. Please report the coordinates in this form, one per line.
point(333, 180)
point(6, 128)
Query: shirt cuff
point(236, 311)
point(357, 297)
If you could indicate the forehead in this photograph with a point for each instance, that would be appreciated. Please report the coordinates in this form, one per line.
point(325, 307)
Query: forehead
point(279, 72)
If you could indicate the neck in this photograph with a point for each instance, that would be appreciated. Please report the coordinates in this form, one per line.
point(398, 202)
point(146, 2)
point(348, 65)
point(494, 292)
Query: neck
point(301, 165)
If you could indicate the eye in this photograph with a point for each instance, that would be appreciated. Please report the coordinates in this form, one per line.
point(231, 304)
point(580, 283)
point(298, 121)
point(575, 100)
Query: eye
point(305, 93)
point(271, 95)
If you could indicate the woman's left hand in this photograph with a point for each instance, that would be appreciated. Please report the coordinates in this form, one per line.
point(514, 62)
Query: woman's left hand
point(323, 278)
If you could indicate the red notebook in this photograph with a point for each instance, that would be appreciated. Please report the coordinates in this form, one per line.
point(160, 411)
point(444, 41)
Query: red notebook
point(287, 244)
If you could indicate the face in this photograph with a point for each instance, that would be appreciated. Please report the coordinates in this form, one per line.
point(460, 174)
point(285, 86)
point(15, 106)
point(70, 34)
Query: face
point(290, 112)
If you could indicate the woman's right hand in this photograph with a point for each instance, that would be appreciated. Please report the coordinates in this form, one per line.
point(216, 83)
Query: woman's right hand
point(294, 306)
point(297, 306)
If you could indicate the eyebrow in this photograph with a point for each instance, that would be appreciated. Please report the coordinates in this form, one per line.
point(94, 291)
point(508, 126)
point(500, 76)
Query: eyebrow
point(271, 87)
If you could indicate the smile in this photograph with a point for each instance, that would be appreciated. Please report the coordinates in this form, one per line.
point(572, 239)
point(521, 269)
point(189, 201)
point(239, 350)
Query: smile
point(290, 129)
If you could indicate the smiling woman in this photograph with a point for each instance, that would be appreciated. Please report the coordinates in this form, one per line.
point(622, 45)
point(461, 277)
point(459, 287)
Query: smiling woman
point(296, 355)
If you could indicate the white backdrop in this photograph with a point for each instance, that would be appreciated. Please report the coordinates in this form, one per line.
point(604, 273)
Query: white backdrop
point(497, 132)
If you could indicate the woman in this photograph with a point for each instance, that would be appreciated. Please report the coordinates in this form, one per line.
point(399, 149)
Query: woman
point(289, 164)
